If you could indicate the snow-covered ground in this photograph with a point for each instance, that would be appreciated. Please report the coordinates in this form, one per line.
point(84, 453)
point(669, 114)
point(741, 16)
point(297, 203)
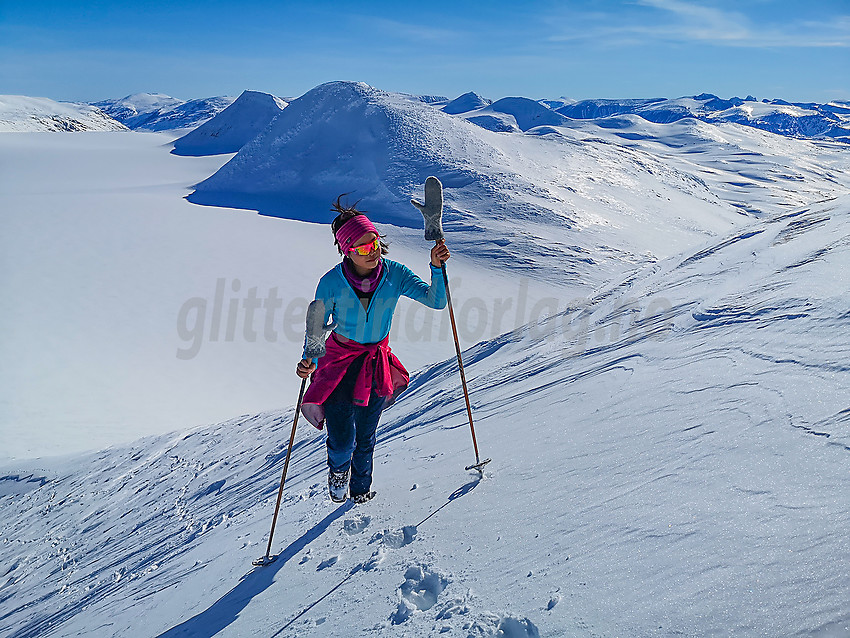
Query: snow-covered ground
point(668, 424)
point(107, 265)
point(680, 472)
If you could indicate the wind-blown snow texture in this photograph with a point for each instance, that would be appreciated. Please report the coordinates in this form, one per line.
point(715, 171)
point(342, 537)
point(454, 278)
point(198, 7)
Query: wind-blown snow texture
point(681, 471)
point(670, 454)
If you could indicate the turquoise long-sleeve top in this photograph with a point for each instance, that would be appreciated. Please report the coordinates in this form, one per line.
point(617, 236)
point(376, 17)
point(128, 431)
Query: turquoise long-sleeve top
point(372, 324)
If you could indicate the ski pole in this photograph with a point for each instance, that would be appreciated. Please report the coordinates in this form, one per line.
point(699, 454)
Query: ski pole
point(432, 211)
point(267, 560)
point(479, 464)
point(314, 348)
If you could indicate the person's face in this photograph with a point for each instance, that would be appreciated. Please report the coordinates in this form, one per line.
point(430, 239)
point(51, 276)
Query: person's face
point(370, 261)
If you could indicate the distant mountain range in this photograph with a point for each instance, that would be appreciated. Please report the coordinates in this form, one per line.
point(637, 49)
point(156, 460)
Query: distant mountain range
point(791, 119)
point(141, 112)
point(831, 120)
point(518, 164)
point(157, 112)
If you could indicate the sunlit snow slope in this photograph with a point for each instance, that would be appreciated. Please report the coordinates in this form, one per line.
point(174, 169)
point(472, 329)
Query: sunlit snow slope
point(670, 458)
point(19, 113)
point(231, 129)
point(524, 184)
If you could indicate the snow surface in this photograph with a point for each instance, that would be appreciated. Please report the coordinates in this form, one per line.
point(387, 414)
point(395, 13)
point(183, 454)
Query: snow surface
point(19, 113)
point(668, 423)
point(101, 253)
point(678, 472)
point(234, 127)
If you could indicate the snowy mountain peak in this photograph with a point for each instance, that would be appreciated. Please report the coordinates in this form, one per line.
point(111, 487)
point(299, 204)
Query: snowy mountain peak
point(526, 112)
point(467, 102)
point(343, 137)
point(233, 127)
point(260, 98)
point(137, 104)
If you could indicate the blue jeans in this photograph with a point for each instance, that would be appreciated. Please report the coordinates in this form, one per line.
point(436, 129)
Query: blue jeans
point(352, 432)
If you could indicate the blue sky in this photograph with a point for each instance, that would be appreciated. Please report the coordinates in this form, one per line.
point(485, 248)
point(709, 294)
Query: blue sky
point(799, 51)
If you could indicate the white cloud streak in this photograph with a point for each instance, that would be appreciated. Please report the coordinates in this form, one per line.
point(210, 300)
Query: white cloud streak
point(682, 21)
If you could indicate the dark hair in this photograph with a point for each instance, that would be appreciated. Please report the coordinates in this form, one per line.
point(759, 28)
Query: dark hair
point(346, 212)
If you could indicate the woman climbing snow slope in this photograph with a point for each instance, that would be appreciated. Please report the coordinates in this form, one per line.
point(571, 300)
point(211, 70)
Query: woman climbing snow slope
point(359, 375)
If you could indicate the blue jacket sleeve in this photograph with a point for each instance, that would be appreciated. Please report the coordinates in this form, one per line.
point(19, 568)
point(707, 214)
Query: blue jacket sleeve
point(433, 296)
point(324, 293)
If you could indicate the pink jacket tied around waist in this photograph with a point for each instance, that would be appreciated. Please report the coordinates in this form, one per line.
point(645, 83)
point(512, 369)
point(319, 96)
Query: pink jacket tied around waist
point(390, 377)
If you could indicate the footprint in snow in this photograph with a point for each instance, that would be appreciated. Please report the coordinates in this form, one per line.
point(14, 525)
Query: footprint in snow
point(376, 559)
point(356, 525)
point(419, 592)
point(396, 539)
point(505, 625)
point(328, 562)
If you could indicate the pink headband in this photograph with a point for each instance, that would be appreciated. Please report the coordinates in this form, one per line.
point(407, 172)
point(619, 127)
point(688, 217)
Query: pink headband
point(352, 230)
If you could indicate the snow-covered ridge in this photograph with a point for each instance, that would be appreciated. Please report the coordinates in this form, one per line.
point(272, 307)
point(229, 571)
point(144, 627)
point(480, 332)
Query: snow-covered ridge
point(233, 127)
point(19, 113)
point(128, 109)
point(688, 424)
point(158, 112)
point(522, 114)
point(466, 102)
point(804, 120)
point(589, 191)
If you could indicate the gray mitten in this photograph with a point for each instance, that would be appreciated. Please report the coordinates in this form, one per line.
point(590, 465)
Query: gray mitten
point(316, 329)
point(432, 210)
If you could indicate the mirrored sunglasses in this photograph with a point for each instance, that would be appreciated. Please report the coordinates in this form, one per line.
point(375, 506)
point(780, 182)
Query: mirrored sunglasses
point(366, 249)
